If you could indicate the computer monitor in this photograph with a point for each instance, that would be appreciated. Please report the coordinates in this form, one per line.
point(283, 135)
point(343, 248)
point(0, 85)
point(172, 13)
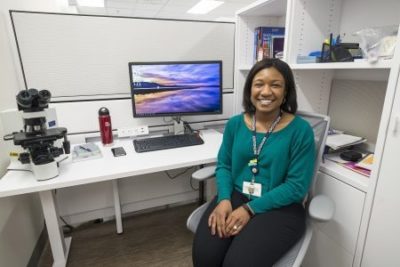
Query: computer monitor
point(176, 88)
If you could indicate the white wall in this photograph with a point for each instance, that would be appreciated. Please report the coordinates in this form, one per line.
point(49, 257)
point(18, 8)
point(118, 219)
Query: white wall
point(21, 219)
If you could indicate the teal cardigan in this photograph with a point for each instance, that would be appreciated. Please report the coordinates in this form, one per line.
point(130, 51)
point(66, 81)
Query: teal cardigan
point(286, 163)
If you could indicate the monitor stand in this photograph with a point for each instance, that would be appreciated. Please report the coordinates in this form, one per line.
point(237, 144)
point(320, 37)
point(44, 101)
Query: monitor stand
point(179, 127)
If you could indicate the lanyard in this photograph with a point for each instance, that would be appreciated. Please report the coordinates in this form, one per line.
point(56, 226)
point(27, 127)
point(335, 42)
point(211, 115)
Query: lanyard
point(257, 150)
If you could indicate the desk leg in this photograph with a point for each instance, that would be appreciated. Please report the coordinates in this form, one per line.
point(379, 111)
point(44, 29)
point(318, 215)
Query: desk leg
point(59, 246)
point(117, 207)
point(201, 192)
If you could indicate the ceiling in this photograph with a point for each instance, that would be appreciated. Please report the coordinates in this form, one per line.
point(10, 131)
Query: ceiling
point(171, 9)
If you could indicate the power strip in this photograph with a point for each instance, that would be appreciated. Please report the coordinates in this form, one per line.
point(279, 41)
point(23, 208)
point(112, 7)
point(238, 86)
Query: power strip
point(133, 131)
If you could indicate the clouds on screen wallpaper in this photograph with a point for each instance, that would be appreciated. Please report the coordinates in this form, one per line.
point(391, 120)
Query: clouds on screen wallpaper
point(175, 88)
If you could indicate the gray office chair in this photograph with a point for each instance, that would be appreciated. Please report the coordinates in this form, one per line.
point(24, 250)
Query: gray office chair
point(320, 207)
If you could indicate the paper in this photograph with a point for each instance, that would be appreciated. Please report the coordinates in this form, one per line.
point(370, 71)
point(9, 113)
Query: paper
point(86, 151)
point(336, 141)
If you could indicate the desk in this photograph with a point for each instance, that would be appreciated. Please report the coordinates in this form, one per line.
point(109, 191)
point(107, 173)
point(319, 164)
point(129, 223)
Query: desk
point(107, 168)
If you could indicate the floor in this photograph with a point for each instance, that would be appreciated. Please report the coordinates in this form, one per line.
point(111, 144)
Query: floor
point(159, 238)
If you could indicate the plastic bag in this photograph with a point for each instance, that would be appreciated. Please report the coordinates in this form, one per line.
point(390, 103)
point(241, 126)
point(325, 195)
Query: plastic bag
point(378, 42)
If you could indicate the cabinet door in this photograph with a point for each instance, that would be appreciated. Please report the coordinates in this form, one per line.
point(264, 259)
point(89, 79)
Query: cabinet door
point(333, 243)
point(383, 237)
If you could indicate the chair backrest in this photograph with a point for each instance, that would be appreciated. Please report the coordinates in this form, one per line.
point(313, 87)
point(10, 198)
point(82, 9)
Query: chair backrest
point(320, 125)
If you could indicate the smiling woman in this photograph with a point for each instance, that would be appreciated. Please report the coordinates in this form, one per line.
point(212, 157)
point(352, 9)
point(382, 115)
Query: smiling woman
point(264, 169)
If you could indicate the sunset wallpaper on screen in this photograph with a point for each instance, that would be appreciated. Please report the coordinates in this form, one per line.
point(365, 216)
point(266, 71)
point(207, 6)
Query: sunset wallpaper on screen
point(176, 88)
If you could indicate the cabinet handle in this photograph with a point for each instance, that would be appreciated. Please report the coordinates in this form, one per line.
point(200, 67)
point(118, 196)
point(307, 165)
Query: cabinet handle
point(396, 124)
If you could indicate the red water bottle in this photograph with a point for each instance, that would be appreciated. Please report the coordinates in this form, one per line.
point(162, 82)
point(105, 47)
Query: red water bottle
point(105, 126)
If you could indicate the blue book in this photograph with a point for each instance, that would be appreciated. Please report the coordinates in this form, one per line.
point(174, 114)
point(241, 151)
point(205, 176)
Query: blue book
point(269, 42)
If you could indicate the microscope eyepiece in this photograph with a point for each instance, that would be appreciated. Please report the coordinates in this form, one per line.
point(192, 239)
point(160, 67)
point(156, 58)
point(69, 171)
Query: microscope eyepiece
point(32, 100)
point(44, 98)
point(24, 99)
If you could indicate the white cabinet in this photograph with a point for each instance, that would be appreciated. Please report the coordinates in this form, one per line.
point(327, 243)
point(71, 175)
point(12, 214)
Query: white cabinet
point(334, 243)
point(358, 96)
point(383, 237)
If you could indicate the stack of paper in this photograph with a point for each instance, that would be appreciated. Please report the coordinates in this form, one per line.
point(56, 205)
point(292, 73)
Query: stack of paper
point(337, 141)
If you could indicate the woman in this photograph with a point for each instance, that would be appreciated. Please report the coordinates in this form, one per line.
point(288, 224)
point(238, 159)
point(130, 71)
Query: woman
point(265, 166)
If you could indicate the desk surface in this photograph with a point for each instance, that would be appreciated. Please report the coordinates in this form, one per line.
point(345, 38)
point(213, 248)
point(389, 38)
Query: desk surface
point(109, 167)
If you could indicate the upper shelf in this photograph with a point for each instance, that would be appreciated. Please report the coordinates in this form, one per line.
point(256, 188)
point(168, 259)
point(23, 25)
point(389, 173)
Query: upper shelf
point(381, 64)
point(264, 8)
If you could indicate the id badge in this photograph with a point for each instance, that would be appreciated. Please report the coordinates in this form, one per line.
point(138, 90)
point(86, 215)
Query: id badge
point(253, 189)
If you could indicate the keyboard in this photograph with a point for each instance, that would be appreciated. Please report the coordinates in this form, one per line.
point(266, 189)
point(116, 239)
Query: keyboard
point(167, 142)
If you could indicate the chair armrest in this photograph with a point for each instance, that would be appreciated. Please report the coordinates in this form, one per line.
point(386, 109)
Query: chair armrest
point(321, 208)
point(194, 218)
point(204, 173)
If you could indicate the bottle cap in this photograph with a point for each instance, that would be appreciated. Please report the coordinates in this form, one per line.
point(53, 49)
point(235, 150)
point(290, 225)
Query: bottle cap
point(103, 111)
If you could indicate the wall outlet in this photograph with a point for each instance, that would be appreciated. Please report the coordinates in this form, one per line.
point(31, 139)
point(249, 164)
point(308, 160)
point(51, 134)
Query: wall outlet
point(133, 131)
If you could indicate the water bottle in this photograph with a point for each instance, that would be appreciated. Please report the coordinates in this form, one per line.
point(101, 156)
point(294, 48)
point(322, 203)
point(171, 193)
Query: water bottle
point(105, 126)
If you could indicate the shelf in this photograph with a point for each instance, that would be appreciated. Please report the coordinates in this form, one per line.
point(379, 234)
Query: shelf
point(274, 8)
point(361, 65)
point(381, 64)
point(244, 67)
point(345, 175)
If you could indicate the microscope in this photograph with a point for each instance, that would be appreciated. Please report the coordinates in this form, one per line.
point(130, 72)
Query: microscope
point(36, 139)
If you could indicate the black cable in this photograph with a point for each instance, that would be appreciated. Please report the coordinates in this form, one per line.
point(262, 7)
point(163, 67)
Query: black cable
point(176, 175)
point(191, 185)
point(70, 227)
point(63, 159)
point(187, 127)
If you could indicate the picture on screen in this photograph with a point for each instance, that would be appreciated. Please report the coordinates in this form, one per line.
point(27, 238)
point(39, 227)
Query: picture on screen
point(176, 88)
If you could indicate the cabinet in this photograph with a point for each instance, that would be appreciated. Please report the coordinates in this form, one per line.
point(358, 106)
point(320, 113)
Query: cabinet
point(358, 96)
point(383, 236)
point(334, 243)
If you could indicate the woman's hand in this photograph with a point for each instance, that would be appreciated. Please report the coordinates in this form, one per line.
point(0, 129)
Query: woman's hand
point(217, 218)
point(236, 221)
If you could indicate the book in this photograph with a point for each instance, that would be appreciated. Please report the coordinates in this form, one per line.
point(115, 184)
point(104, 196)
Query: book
point(366, 163)
point(337, 141)
point(268, 42)
point(86, 151)
point(353, 166)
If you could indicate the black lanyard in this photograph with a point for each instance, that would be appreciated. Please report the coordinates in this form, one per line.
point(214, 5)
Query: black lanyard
point(253, 164)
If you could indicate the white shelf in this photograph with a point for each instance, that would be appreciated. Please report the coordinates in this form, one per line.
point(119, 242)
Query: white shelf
point(244, 67)
point(345, 175)
point(264, 8)
point(360, 65)
point(381, 64)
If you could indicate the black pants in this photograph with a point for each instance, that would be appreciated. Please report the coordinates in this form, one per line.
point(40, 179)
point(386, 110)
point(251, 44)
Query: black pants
point(264, 239)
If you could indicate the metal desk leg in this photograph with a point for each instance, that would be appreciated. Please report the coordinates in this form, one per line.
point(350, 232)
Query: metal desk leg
point(117, 207)
point(201, 192)
point(59, 245)
point(202, 185)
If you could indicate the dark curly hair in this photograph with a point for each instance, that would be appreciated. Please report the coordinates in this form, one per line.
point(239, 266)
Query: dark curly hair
point(290, 102)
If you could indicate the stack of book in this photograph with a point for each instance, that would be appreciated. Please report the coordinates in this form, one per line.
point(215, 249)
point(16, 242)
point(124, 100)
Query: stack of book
point(268, 42)
point(364, 166)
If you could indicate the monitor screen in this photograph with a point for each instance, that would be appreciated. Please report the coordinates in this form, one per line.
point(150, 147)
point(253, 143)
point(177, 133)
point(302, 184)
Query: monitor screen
point(176, 88)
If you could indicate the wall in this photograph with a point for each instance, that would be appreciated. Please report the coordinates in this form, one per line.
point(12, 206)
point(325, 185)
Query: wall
point(21, 219)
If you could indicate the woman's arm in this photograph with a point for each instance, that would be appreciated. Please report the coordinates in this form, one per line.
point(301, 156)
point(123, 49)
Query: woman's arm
point(224, 163)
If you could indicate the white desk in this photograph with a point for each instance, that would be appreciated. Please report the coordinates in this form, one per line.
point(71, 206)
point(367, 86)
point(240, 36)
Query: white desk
point(107, 168)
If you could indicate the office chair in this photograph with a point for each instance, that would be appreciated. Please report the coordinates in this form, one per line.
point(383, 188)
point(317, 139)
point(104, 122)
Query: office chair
point(320, 207)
